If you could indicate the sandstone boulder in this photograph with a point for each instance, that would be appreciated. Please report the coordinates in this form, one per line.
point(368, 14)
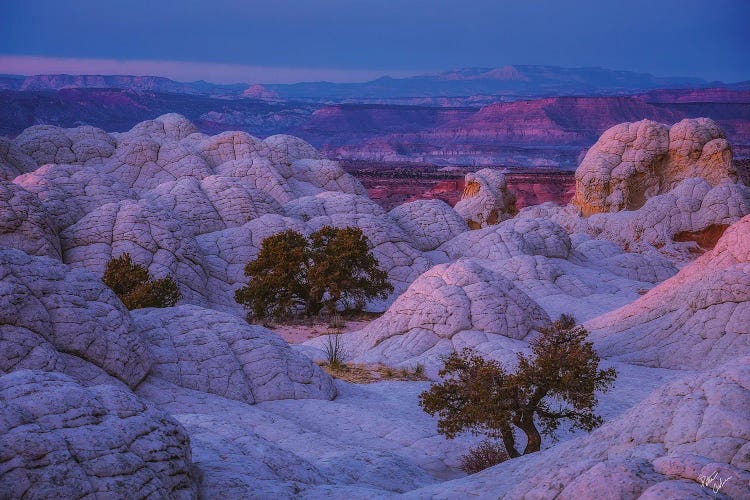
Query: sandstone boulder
point(24, 224)
point(55, 318)
point(212, 204)
point(430, 223)
point(486, 199)
point(83, 145)
point(219, 353)
point(59, 439)
point(449, 307)
point(13, 161)
point(632, 162)
point(69, 192)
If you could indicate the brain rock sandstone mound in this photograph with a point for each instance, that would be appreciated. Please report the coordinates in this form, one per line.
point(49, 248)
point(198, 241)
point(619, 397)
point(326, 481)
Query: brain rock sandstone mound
point(430, 223)
point(486, 199)
point(449, 307)
point(13, 161)
point(215, 352)
point(55, 318)
point(59, 439)
point(632, 162)
point(24, 223)
point(696, 319)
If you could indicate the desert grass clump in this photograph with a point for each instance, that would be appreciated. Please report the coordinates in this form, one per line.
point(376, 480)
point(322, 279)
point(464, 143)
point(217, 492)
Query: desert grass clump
point(336, 322)
point(134, 286)
point(484, 455)
point(334, 351)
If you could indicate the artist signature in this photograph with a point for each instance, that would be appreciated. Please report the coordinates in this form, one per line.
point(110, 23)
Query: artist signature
point(713, 481)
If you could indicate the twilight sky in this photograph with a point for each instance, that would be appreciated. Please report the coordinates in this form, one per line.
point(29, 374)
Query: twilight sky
point(356, 40)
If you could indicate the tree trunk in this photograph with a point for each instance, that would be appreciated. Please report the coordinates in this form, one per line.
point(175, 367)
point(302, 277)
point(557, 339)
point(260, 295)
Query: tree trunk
point(509, 441)
point(533, 438)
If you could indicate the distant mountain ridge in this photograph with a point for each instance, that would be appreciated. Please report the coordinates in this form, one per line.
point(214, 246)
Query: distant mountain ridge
point(130, 82)
point(503, 83)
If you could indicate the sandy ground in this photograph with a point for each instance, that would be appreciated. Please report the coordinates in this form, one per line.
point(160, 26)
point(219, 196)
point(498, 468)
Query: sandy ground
point(298, 333)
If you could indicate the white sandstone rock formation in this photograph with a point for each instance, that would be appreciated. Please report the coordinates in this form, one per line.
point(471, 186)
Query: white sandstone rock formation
point(218, 353)
point(449, 307)
point(154, 237)
point(13, 161)
point(259, 414)
point(55, 318)
point(69, 192)
point(25, 224)
point(83, 145)
point(632, 162)
point(486, 199)
point(679, 224)
point(214, 203)
point(59, 439)
point(430, 223)
point(697, 319)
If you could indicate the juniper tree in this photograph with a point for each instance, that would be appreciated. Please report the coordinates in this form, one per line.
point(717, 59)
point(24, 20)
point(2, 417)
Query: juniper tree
point(333, 269)
point(557, 382)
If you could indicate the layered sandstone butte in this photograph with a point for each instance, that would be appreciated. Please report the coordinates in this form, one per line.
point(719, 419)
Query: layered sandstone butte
point(633, 162)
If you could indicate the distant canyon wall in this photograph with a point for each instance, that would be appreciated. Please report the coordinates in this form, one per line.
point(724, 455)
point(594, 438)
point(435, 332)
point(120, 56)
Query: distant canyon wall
point(553, 131)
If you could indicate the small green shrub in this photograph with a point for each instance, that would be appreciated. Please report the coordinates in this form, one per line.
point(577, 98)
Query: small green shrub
point(132, 283)
point(484, 455)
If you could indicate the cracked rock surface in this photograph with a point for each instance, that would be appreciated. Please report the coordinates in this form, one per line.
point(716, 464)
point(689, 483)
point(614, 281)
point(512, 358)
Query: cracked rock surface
point(696, 319)
point(632, 162)
point(218, 353)
point(59, 439)
point(55, 318)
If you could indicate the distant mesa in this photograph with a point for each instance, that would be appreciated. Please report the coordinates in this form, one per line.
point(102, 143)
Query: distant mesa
point(258, 91)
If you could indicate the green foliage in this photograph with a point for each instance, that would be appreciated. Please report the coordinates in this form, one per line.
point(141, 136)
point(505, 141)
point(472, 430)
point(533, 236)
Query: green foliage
point(480, 396)
point(484, 455)
point(334, 270)
point(278, 277)
point(132, 283)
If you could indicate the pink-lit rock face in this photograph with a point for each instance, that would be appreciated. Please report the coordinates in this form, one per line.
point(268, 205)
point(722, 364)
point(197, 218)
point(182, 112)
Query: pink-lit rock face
point(486, 199)
point(258, 91)
point(633, 162)
point(697, 319)
point(679, 224)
